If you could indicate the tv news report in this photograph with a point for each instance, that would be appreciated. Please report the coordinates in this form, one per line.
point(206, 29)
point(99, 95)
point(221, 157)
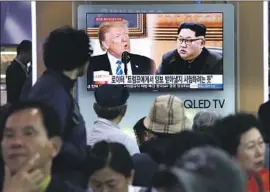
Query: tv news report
point(156, 51)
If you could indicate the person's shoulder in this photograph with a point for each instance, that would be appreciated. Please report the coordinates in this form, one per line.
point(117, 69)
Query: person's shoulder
point(12, 66)
point(58, 184)
point(97, 57)
point(169, 54)
point(141, 57)
point(214, 54)
point(264, 107)
point(47, 87)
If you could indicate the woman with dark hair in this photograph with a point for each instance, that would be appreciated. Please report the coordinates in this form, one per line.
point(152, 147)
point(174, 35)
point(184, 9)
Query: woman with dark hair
point(240, 136)
point(109, 167)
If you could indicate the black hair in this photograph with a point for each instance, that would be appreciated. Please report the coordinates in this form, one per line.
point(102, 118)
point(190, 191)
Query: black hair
point(109, 113)
point(25, 46)
point(182, 142)
point(199, 29)
point(3, 111)
point(66, 49)
point(139, 130)
point(156, 148)
point(166, 180)
point(263, 116)
point(105, 154)
point(228, 131)
point(49, 116)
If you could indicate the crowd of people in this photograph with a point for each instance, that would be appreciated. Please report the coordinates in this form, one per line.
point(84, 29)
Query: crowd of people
point(45, 148)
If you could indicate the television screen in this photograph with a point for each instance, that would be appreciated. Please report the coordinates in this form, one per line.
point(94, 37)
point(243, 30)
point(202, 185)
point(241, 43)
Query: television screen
point(156, 51)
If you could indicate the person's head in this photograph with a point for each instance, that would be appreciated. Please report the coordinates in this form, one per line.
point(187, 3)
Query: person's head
point(24, 51)
point(156, 148)
point(114, 37)
point(204, 120)
point(30, 128)
point(239, 135)
point(111, 102)
point(166, 117)
point(140, 131)
point(67, 50)
point(145, 168)
point(109, 167)
point(190, 40)
point(204, 169)
point(184, 141)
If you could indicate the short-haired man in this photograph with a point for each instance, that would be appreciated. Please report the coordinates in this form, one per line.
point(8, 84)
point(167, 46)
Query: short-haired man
point(18, 71)
point(191, 56)
point(30, 141)
point(110, 108)
point(114, 39)
point(66, 56)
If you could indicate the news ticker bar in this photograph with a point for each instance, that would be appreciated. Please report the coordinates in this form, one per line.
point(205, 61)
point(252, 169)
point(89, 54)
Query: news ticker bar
point(195, 81)
point(167, 86)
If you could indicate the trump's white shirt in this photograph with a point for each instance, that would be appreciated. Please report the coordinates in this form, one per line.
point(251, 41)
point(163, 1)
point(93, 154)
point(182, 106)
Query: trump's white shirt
point(113, 64)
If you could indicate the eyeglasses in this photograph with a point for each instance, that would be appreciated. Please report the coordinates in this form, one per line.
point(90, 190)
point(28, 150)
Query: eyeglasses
point(187, 41)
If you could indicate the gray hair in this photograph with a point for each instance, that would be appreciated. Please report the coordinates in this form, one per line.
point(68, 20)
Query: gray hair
point(203, 120)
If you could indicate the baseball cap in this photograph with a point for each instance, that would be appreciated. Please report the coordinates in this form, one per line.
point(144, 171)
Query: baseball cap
point(167, 115)
point(109, 95)
point(208, 169)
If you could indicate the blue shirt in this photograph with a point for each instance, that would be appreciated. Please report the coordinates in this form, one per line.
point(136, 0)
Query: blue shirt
point(54, 88)
point(104, 129)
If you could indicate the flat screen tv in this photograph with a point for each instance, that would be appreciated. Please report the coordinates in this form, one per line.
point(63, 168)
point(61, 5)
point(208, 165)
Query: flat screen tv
point(157, 50)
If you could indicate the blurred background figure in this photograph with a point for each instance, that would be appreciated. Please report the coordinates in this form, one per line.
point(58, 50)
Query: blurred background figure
point(19, 71)
point(204, 120)
point(110, 107)
point(240, 136)
point(202, 169)
point(109, 167)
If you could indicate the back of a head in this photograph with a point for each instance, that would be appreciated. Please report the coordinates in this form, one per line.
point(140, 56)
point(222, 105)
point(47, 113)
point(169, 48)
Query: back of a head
point(184, 141)
point(144, 168)
point(49, 116)
point(204, 120)
point(167, 181)
point(66, 49)
point(24, 47)
point(110, 101)
point(156, 148)
point(208, 169)
point(113, 155)
point(228, 130)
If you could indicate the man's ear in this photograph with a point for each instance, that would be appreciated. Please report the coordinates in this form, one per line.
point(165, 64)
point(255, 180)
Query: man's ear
point(104, 45)
point(203, 43)
point(56, 144)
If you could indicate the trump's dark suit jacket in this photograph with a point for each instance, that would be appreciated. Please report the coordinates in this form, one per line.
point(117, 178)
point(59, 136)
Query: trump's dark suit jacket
point(208, 62)
point(140, 65)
